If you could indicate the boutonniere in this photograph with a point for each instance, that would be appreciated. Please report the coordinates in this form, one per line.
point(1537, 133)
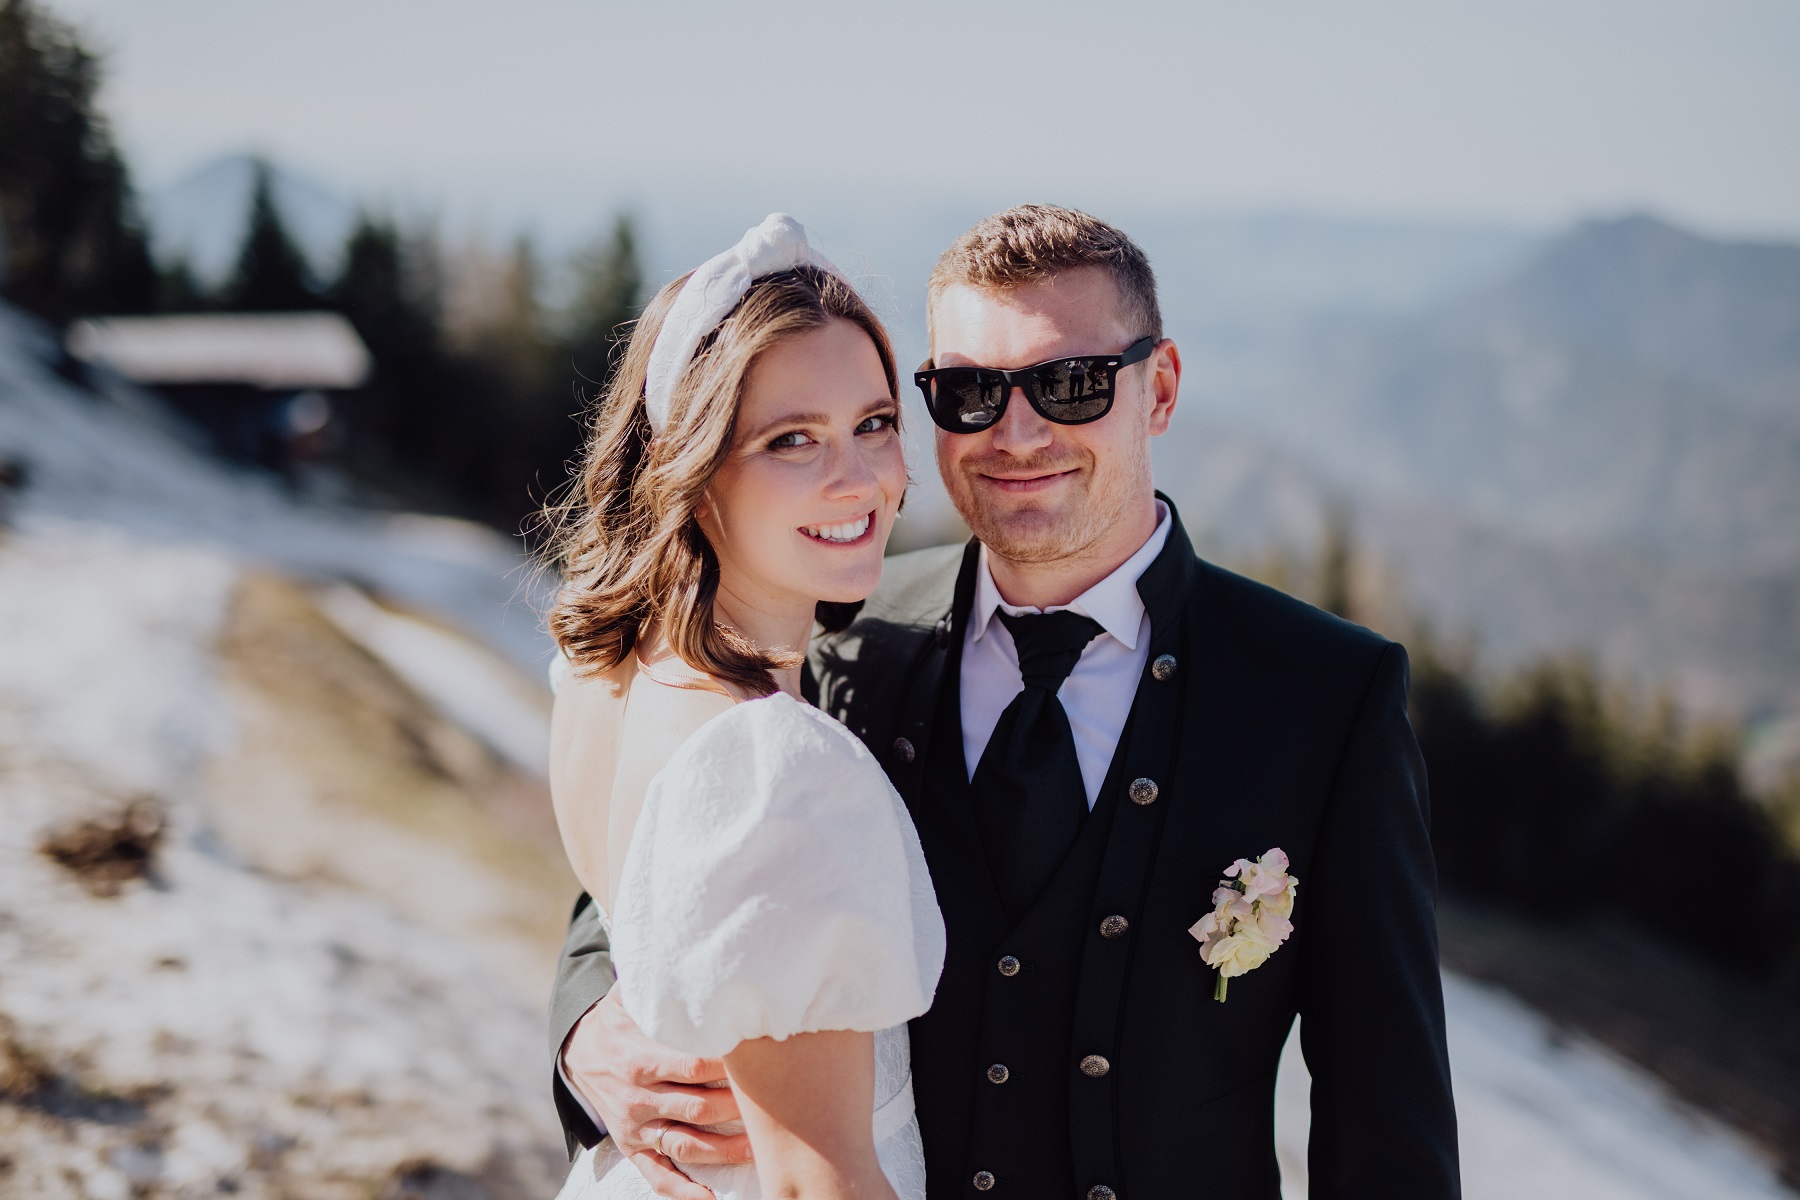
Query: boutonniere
point(1249, 920)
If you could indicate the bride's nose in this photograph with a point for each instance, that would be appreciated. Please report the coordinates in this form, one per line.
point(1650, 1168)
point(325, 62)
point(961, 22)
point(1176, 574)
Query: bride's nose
point(850, 474)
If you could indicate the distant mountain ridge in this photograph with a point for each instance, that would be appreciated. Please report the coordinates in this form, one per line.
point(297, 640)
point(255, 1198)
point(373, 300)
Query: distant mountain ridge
point(1598, 397)
point(1598, 451)
point(200, 218)
point(1721, 317)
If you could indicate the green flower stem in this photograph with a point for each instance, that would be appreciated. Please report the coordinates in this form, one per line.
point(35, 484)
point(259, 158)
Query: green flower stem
point(1219, 988)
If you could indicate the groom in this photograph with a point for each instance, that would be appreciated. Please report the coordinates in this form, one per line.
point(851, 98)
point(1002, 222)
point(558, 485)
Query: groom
point(1089, 724)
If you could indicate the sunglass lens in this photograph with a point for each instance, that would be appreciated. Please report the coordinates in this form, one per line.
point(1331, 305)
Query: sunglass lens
point(968, 400)
point(1073, 390)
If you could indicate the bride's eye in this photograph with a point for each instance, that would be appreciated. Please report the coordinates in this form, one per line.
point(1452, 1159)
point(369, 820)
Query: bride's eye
point(791, 440)
point(879, 422)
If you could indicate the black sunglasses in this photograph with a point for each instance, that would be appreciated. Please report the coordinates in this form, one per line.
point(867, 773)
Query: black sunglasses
point(1068, 391)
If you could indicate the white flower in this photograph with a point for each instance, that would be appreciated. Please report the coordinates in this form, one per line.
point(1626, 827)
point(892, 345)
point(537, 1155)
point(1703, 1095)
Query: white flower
point(1251, 917)
point(1245, 950)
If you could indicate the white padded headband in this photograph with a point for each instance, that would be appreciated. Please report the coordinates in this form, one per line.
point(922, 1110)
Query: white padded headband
point(711, 292)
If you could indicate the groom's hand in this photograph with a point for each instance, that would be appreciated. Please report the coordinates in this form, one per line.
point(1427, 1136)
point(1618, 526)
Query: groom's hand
point(650, 1099)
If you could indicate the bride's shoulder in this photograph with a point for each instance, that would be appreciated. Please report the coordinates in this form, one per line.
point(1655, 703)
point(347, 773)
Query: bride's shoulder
point(776, 735)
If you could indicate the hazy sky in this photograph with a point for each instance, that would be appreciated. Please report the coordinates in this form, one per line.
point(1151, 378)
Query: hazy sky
point(544, 111)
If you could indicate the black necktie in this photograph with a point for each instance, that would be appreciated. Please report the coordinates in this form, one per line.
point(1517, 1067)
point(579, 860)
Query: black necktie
point(1029, 798)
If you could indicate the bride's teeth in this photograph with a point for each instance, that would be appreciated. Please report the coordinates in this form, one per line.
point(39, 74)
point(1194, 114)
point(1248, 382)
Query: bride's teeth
point(847, 532)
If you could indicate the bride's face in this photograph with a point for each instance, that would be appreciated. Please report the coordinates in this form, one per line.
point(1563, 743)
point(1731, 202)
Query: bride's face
point(802, 508)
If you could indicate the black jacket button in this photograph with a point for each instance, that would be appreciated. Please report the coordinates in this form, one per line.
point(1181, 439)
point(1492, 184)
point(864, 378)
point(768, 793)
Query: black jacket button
point(998, 1073)
point(1114, 927)
point(903, 750)
point(1101, 1192)
point(983, 1180)
point(1009, 965)
point(1094, 1066)
point(1163, 669)
point(1142, 791)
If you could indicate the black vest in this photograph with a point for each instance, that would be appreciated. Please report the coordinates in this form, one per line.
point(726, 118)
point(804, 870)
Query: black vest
point(1021, 1037)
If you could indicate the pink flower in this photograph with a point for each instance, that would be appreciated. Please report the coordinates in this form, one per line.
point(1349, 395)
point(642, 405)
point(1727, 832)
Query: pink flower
point(1274, 925)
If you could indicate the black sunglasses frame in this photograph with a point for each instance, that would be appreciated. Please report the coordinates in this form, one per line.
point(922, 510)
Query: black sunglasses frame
point(1025, 379)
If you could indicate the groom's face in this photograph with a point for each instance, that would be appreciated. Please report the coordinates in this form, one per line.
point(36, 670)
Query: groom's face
point(1032, 490)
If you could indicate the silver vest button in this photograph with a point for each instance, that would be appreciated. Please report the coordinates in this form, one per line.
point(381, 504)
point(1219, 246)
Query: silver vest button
point(1101, 1192)
point(983, 1180)
point(1163, 669)
point(998, 1073)
point(1094, 1066)
point(1142, 791)
point(1009, 966)
point(1114, 927)
point(903, 750)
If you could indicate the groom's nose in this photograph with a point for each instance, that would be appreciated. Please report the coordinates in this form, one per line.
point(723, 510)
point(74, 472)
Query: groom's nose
point(1021, 430)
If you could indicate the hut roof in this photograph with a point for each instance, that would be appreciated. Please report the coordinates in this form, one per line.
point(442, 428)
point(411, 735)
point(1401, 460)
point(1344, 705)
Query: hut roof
point(268, 350)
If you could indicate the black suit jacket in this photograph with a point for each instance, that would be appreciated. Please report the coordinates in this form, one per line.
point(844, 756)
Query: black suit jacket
point(1284, 726)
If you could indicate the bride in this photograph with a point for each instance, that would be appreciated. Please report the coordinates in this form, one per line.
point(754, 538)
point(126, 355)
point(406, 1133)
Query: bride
point(768, 899)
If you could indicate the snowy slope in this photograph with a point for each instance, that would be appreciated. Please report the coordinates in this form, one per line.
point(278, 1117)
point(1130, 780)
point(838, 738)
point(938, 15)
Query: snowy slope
point(331, 982)
point(1548, 1115)
point(215, 1028)
point(117, 460)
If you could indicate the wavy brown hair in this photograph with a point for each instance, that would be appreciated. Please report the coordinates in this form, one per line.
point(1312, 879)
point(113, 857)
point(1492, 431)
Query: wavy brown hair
point(625, 538)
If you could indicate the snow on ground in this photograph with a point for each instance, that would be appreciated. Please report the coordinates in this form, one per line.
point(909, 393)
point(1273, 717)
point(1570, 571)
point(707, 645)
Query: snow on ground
point(214, 1028)
point(310, 994)
point(1551, 1115)
point(469, 683)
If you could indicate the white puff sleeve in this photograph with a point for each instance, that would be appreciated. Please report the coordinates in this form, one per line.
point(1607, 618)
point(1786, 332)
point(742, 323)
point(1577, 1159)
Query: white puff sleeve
point(774, 885)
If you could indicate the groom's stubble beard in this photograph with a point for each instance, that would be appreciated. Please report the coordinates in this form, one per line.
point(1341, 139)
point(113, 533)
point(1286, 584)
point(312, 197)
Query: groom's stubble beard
point(1105, 494)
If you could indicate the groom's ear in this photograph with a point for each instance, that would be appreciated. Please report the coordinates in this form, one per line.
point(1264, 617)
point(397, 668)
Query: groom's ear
point(1165, 384)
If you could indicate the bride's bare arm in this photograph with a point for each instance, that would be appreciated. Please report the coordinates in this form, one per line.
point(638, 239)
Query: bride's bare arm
point(807, 1102)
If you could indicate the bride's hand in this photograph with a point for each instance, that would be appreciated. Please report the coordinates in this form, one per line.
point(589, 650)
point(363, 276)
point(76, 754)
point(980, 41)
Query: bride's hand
point(650, 1099)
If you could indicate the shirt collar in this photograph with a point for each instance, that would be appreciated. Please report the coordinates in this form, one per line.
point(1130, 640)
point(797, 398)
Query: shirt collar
point(1113, 602)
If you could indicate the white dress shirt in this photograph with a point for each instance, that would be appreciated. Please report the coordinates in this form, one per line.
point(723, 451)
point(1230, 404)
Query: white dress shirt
point(1099, 691)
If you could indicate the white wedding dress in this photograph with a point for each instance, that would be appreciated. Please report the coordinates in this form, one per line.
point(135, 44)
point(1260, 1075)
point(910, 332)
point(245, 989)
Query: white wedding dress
point(774, 885)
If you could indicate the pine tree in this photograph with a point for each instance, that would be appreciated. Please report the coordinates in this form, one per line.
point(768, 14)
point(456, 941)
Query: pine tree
point(71, 242)
point(271, 273)
point(179, 291)
point(388, 291)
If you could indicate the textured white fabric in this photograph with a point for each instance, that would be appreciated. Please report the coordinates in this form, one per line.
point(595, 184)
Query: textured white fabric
point(780, 243)
point(774, 885)
point(1097, 694)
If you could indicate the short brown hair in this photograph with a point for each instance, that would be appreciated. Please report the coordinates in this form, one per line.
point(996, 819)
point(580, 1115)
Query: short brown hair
point(625, 539)
point(1031, 242)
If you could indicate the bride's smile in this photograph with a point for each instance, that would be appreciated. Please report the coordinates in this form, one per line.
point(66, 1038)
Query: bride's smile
point(801, 508)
